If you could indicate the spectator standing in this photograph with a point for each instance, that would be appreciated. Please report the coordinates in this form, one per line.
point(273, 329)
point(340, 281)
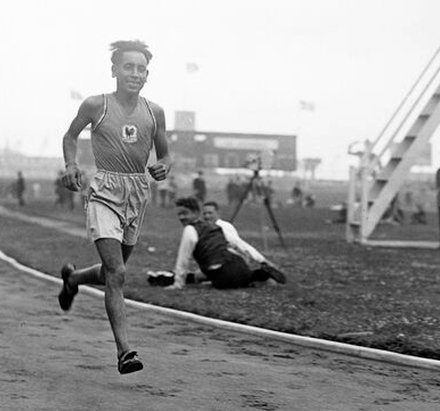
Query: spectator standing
point(20, 188)
point(230, 191)
point(199, 187)
point(297, 195)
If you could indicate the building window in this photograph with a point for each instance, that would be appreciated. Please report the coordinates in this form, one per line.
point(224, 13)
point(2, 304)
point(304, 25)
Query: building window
point(231, 160)
point(200, 138)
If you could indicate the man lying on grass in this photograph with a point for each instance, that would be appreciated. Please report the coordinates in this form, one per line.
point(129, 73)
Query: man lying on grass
point(211, 213)
point(207, 244)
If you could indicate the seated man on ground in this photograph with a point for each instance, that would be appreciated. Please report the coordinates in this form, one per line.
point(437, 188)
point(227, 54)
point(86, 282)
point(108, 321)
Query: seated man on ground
point(210, 213)
point(206, 243)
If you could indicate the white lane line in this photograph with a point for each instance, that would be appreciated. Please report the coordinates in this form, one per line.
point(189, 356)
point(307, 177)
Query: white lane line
point(309, 342)
point(61, 226)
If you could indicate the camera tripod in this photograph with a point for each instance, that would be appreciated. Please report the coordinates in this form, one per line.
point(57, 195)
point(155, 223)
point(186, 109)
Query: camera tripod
point(256, 186)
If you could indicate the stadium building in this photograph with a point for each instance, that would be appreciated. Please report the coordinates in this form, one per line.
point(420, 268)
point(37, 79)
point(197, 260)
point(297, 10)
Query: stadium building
point(193, 149)
point(211, 149)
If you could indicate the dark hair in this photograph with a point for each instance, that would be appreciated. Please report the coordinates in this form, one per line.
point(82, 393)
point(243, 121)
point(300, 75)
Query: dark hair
point(191, 203)
point(119, 47)
point(211, 203)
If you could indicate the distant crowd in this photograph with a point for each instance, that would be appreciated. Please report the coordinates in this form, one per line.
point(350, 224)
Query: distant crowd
point(406, 207)
point(238, 189)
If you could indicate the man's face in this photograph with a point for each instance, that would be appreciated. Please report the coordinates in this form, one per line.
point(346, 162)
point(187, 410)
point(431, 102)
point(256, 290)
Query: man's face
point(210, 214)
point(186, 216)
point(131, 71)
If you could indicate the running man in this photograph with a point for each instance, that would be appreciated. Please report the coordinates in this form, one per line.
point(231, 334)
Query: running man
point(124, 127)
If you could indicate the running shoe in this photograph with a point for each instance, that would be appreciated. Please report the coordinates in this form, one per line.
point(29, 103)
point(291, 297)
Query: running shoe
point(68, 292)
point(129, 362)
point(274, 272)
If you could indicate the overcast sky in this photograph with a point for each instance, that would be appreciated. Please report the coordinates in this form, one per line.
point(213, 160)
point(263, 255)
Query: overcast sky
point(353, 59)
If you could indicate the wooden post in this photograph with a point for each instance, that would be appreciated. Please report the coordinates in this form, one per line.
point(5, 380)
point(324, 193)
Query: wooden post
point(437, 186)
point(351, 199)
point(364, 191)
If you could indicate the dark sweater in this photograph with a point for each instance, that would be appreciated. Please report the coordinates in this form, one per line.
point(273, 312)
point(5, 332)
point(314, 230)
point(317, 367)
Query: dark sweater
point(211, 248)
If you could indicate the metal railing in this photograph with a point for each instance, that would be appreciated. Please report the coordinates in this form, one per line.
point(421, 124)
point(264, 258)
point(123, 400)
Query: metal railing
point(373, 161)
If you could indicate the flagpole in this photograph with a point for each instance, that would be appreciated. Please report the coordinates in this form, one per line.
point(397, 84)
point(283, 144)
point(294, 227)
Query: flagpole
point(304, 107)
point(191, 69)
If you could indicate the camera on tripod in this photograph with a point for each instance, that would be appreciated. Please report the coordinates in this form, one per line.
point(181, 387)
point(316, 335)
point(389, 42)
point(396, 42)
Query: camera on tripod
point(254, 163)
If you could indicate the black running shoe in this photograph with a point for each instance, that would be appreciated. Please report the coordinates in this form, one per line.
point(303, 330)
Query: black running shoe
point(274, 272)
point(129, 362)
point(68, 292)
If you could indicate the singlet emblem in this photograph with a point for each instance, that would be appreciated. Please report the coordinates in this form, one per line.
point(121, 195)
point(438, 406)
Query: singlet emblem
point(129, 134)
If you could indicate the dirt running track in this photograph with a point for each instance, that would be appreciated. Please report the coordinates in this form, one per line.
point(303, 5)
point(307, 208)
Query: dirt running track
point(56, 361)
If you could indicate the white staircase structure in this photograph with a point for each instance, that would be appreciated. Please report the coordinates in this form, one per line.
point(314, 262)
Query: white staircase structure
point(386, 162)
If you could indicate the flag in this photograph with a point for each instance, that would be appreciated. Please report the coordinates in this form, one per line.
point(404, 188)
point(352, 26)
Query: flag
point(191, 67)
point(306, 105)
point(75, 95)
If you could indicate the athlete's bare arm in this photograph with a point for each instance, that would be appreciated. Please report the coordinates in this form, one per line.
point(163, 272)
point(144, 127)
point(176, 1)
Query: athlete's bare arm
point(160, 170)
point(88, 113)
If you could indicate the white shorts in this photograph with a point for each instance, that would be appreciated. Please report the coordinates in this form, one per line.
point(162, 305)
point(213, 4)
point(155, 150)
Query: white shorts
point(116, 206)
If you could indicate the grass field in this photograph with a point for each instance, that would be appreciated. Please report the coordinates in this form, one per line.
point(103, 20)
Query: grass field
point(383, 298)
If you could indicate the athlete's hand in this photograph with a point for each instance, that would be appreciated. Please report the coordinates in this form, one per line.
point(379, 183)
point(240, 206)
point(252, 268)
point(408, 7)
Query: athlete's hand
point(72, 178)
point(158, 171)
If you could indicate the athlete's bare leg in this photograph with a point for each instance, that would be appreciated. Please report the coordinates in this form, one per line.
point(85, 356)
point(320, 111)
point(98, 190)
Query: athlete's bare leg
point(110, 273)
point(113, 269)
point(88, 275)
point(95, 274)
